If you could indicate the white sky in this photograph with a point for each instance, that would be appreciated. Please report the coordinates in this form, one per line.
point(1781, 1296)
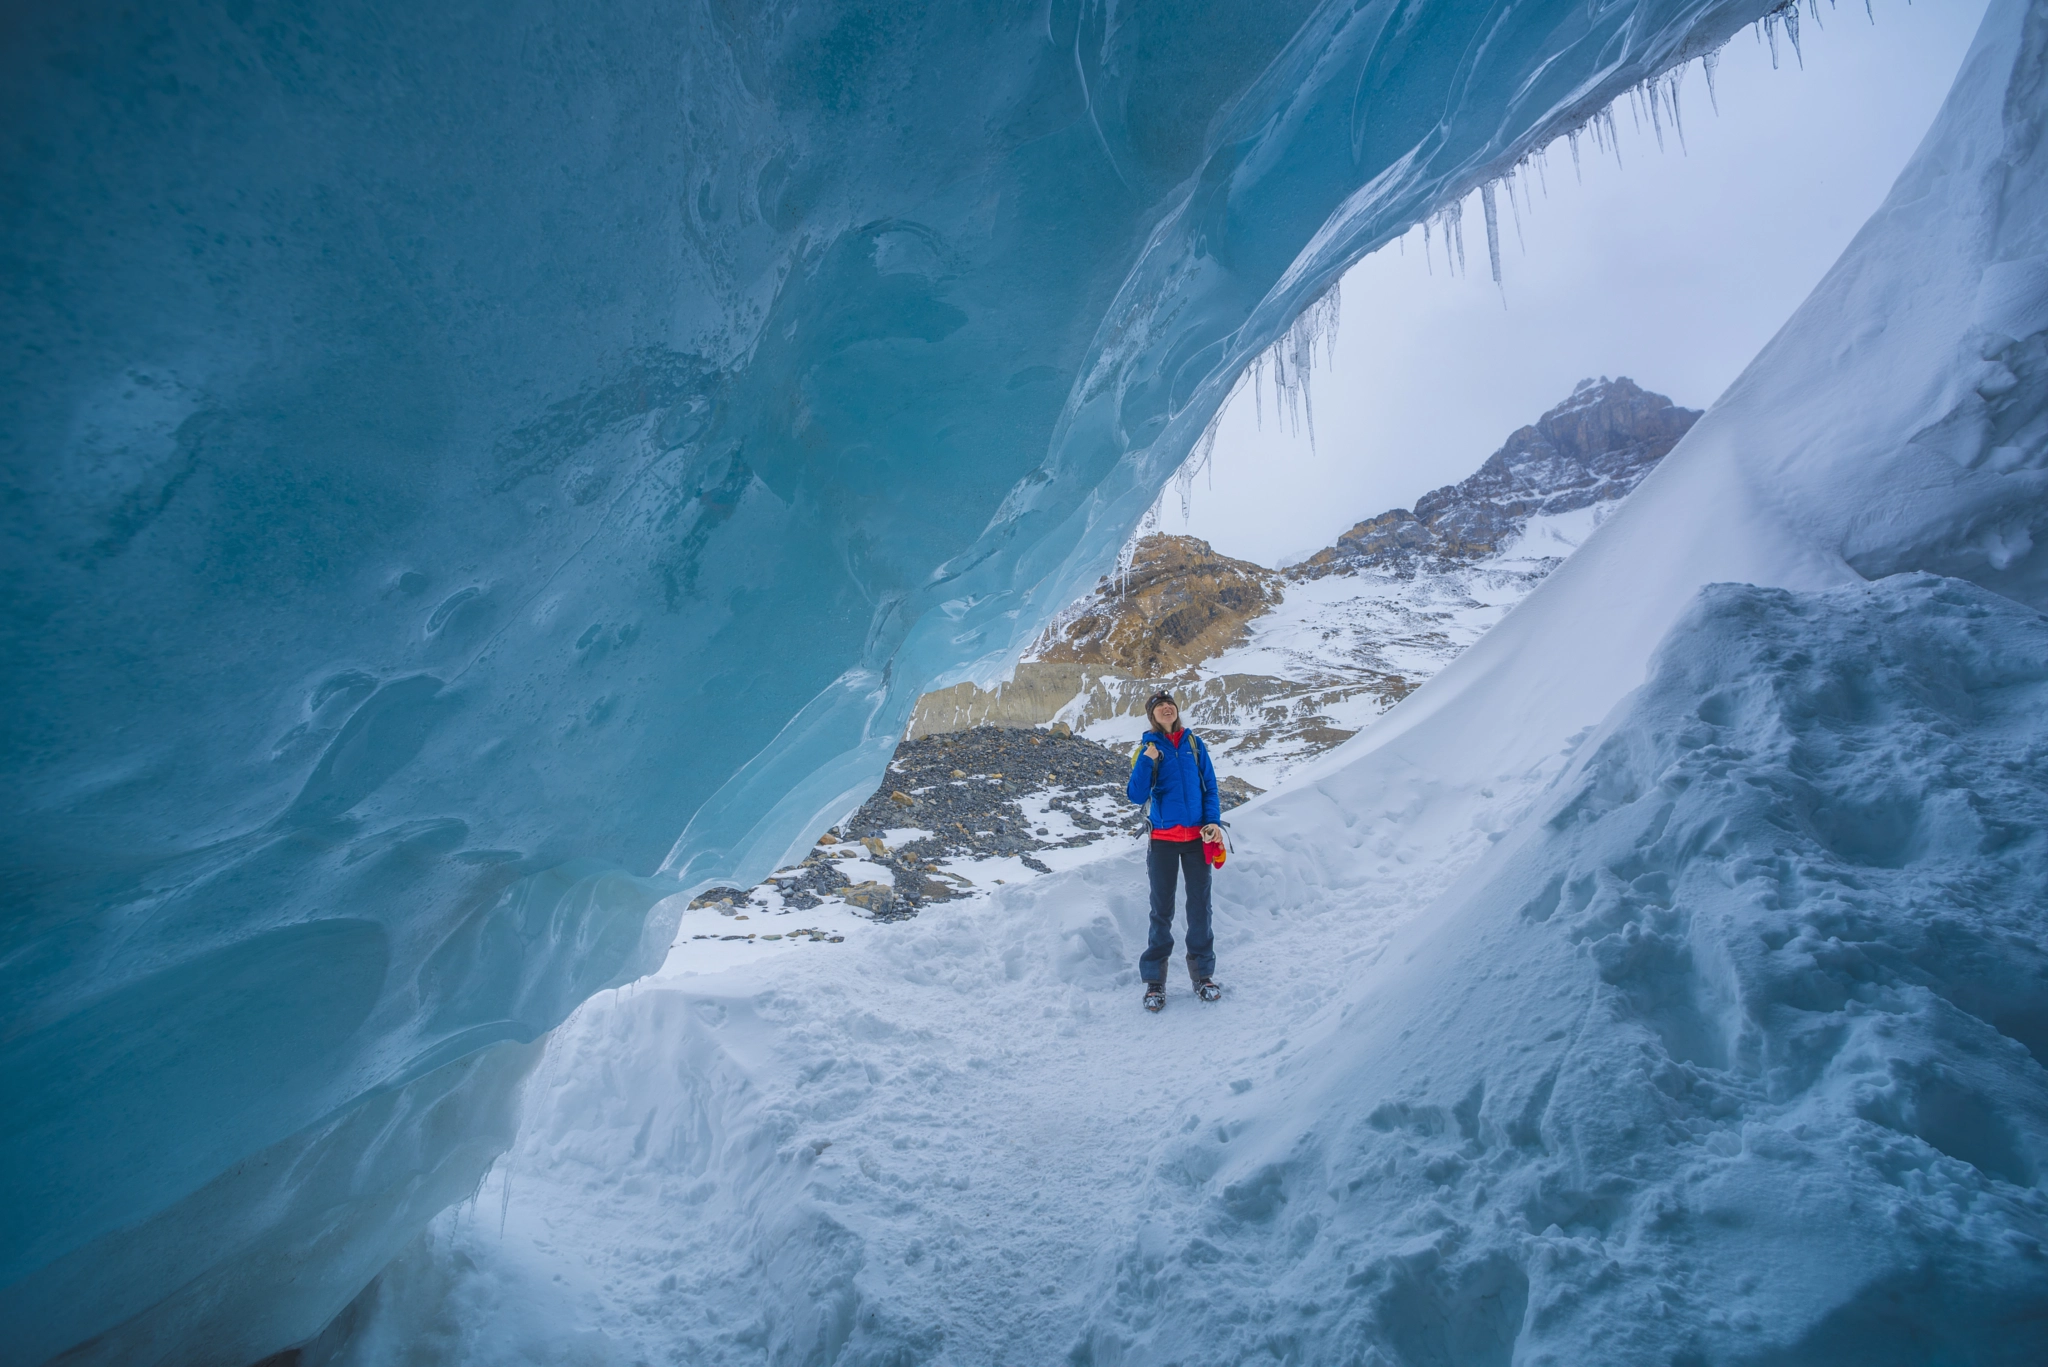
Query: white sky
point(1673, 269)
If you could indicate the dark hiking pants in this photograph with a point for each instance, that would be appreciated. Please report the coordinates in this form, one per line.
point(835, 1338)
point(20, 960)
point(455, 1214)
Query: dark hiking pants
point(1163, 862)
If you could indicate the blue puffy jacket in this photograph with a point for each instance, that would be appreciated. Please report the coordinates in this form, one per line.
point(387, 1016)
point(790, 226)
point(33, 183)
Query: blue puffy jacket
point(1180, 784)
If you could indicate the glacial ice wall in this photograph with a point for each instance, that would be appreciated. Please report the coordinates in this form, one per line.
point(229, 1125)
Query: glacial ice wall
point(472, 469)
point(1727, 1045)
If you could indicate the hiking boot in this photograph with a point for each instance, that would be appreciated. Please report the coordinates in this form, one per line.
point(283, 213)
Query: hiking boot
point(1209, 990)
point(1155, 996)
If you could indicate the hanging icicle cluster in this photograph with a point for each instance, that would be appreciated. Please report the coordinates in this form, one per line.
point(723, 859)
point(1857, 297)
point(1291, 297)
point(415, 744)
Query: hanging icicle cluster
point(1292, 359)
point(1657, 98)
point(1128, 552)
point(1787, 15)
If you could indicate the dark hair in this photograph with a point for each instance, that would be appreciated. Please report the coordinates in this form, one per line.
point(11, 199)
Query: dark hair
point(1152, 707)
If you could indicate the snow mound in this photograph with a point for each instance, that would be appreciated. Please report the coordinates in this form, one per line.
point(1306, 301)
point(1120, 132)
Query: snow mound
point(1737, 1055)
point(1733, 1051)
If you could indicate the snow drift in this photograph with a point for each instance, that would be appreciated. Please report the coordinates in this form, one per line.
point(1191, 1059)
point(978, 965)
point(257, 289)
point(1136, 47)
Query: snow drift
point(1735, 1053)
point(1737, 1057)
point(463, 462)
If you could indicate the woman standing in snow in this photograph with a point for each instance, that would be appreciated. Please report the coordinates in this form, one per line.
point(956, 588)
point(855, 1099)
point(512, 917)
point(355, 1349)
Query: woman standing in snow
point(1170, 769)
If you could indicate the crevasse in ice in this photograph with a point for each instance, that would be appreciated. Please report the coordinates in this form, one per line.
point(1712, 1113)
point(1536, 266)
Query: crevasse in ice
point(470, 471)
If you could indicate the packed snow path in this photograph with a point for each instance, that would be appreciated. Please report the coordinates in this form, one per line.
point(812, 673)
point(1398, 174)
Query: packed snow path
point(1733, 1048)
point(960, 1115)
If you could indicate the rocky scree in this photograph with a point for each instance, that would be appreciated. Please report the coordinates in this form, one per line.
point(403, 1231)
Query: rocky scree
point(965, 788)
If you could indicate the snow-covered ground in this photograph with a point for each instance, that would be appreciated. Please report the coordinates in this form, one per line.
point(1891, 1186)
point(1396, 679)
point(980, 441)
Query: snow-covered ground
point(1414, 626)
point(1734, 1037)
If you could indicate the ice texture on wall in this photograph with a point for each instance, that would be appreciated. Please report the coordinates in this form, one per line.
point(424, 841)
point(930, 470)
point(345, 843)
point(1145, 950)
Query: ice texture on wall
point(465, 461)
point(1573, 1015)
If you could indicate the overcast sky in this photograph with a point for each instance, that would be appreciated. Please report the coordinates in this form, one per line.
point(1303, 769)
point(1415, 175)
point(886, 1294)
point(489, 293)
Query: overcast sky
point(1673, 268)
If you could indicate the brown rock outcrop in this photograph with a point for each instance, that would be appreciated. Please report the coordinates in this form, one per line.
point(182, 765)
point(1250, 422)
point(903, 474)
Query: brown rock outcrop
point(1180, 604)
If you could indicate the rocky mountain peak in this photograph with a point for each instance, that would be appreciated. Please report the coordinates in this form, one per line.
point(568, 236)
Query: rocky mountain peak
point(1594, 447)
point(1180, 603)
point(1272, 669)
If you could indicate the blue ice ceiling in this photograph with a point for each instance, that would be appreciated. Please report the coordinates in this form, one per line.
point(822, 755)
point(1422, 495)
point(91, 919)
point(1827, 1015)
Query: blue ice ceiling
point(473, 469)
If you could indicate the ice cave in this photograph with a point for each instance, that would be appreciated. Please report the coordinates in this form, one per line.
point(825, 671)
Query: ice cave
point(477, 476)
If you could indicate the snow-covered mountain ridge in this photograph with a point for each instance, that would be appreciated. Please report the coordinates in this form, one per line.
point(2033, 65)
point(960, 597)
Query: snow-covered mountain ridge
point(1595, 447)
point(1275, 667)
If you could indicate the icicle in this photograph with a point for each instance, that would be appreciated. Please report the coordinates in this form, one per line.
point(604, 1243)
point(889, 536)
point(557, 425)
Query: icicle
point(1707, 64)
point(1543, 172)
point(1428, 260)
point(1492, 212)
point(1791, 13)
point(1770, 24)
point(1316, 323)
point(1521, 243)
point(1578, 174)
point(1331, 306)
point(1196, 463)
point(1293, 358)
point(1127, 555)
point(1871, 12)
point(1656, 116)
point(1613, 136)
point(1671, 90)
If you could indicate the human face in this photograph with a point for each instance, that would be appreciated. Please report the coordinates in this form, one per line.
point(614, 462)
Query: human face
point(1166, 716)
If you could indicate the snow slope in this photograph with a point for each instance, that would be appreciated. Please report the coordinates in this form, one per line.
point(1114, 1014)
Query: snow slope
point(1610, 1003)
point(1335, 638)
point(1736, 1055)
